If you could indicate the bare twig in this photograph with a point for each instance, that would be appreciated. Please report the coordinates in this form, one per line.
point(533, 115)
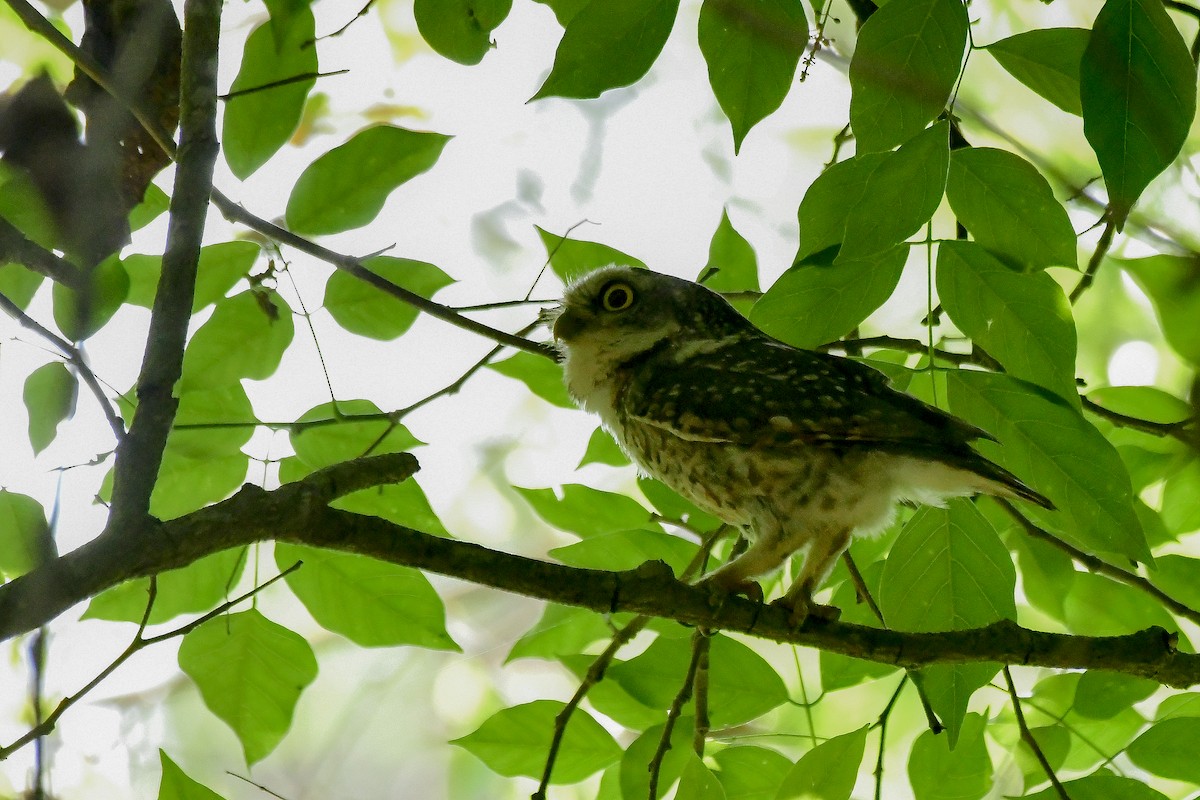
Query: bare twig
point(1027, 737)
point(1102, 248)
point(1176, 430)
point(14, 246)
point(882, 723)
point(702, 644)
point(675, 710)
point(304, 76)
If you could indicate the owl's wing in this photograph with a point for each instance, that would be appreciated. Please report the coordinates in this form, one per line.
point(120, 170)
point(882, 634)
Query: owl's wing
point(756, 392)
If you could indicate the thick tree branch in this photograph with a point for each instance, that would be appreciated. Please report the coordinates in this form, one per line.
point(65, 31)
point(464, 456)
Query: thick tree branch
point(298, 512)
point(14, 246)
point(140, 453)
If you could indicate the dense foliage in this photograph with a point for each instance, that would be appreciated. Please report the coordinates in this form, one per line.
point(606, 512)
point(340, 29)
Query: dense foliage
point(984, 649)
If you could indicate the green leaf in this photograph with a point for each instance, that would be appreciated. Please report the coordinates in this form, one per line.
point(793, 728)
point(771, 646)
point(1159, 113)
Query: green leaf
point(1180, 511)
point(194, 589)
point(900, 195)
point(1099, 606)
point(905, 65)
point(947, 571)
point(81, 312)
point(18, 283)
point(460, 30)
point(257, 124)
point(608, 44)
point(1009, 208)
point(1101, 786)
point(1047, 574)
point(201, 407)
point(543, 377)
point(366, 310)
point(250, 673)
point(1138, 93)
point(402, 503)
point(22, 204)
point(1168, 749)
point(178, 785)
point(697, 781)
point(1047, 61)
point(561, 631)
point(635, 773)
point(827, 201)
point(154, 204)
point(828, 771)
point(564, 10)
point(346, 187)
point(838, 671)
point(603, 449)
point(751, 48)
point(50, 394)
point(814, 303)
point(621, 550)
point(570, 258)
point(1179, 576)
point(742, 685)
point(514, 741)
point(372, 603)
point(1184, 704)
point(750, 773)
point(586, 511)
point(1023, 320)
point(245, 337)
point(732, 265)
point(343, 437)
point(1148, 402)
point(670, 504)
point(940, 773)
point(1170, 282)
point(1053, 448)
point(24, 533)
point(219, 268)
point(186, 484)
point(1103, 695)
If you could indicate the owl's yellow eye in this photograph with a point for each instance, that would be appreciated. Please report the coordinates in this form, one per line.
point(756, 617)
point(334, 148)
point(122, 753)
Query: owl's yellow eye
point(617, 296)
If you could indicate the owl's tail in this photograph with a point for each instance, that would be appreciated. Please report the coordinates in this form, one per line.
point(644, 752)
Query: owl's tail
point(1003, 483)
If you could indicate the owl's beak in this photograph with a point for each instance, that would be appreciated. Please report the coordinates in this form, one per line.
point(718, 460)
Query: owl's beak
point(568, 325)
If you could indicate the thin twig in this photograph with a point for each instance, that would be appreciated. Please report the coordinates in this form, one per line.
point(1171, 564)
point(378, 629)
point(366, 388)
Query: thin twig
point(700, 690)
point(674, 711)
point(1102, 248)
point(881, 723)
point(1027, 737)
point(1175, 430)
point(1099, 565)
point(304, 76)
point(15, 246)
point(75, 358)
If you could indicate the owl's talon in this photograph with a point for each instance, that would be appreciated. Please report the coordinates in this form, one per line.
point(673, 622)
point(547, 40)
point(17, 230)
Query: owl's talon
point(719, 590)
point(801, 609)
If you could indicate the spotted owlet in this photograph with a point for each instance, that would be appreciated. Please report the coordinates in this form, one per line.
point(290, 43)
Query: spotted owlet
point(799, 449)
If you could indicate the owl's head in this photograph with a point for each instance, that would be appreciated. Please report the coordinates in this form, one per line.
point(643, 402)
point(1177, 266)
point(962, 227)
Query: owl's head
point(625, 310)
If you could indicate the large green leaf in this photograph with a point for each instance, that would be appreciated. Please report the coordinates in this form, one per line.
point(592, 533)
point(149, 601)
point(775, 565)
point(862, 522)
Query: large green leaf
point(330, 433)
point(750, 773)
point(621, 550)
point(514, 741)
point(460, 30)
point(220, 267)
point(752, 48)
point(1101, 786)
point(366, 310)
point(732, 265)
point(24, 533)
point(635, 772)
point(1022, 320)
point(1103, 695)
point(608, 44)
point(245, 337)
point(900, 194)
point(178, 785)
point(938, 772)
point(828, 771)
point(1173, 284)
point(257, 124)
point(905, 65)
point(1138, 93)
point(814, 303)
point(372, 603)
point(541, 375)
point(586, 511)
point(50, 394)
point(826, 202)
point(186, 484)
point(1168, 749)
point(1053, 448)
point(570, 258)
point(1047, 61)
point(742, 686)
point(250, 672)
point(699, 782)
point(205, 409)
point(346, 187)
point(81, 312)
point(194, 589)
point(1009, 208)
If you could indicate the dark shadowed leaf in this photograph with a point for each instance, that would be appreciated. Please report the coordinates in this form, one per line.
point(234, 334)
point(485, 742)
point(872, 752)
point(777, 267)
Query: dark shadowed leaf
point(752, 48)
point(1009, 208)
point(363, 309)
point(372, 603)
point(608, 44)
point(460, 30)
point(514, 741)
point(250, 672)
point(257, 124)
point(346, 187)
point(904, 67)
point(50, 394)
point(1138, 93)
point(1046, 61)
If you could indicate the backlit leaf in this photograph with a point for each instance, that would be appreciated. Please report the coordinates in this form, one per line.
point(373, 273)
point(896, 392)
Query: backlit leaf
point(1047, 61)
point(1173, 284)
point(366, 310)
point(698, 781)
point(938, 772)
point(1168, 749)
point(24, 533)
point(460, 30)
point(570, 258)
point(49, 395)
point(1101, 786)
point(199, 587)
point(750, 773)
point(245, 337)
point(586, 511)
point(178, 785)
point(335, 433)
point(543, 377)
point(828, 771)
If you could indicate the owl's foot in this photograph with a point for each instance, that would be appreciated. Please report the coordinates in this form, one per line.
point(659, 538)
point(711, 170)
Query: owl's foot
point(719, 589)
point(801, 608)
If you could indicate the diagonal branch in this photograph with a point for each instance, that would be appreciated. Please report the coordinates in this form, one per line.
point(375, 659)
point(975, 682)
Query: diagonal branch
point(16, 247)
point(140, 453)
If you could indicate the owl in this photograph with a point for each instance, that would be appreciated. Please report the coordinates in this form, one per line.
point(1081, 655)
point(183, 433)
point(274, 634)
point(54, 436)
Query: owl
point(801, 450)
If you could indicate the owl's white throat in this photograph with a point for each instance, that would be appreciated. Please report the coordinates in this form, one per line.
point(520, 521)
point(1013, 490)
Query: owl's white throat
point(591, 361)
